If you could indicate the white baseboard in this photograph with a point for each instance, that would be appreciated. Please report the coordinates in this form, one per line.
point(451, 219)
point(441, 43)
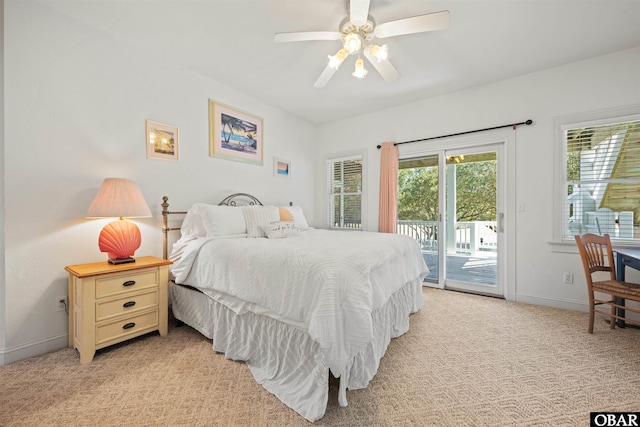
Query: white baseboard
point(14, 354)
point(554, 302)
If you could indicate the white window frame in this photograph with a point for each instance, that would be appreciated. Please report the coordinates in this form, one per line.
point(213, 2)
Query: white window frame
point(331, 158)
point(560, 160)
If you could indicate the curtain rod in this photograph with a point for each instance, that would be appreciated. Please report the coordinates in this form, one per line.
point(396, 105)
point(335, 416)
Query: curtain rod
point(528, 122)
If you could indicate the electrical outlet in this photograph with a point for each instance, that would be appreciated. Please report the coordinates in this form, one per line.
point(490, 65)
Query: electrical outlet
point(567, 278)
point(61, 303)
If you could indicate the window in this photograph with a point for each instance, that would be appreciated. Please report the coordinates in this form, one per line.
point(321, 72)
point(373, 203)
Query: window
point(601, 189)
point(344, 184)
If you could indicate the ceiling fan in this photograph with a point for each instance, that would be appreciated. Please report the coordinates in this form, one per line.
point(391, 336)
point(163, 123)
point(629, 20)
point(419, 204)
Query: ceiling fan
point(356, 33)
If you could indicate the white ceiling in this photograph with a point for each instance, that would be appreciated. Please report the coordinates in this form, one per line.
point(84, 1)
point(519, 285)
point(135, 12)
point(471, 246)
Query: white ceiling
point(231, 41)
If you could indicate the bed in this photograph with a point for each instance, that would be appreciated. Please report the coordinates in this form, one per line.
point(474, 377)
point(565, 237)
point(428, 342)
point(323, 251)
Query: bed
point(295, 303)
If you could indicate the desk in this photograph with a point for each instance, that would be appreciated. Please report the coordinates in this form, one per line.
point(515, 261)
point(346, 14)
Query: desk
point(626, 257)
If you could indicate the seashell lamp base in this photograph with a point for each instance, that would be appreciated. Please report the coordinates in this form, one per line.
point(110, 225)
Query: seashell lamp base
point(120, 239)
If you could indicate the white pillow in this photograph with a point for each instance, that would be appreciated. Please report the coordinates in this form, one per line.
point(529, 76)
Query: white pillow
point(221, 220)
point(298, 217)
point(257, 216)
point(192, 225)
point(280, 229)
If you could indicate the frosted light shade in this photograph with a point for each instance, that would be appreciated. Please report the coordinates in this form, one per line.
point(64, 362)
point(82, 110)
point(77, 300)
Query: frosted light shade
point(336, 60)
point(352, 42)
point(360, 71)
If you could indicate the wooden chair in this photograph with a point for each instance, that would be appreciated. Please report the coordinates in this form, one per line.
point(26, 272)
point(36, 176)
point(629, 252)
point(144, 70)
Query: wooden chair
point(597, 256)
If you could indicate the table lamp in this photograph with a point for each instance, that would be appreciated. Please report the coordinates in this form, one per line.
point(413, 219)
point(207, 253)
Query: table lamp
point(119, 198)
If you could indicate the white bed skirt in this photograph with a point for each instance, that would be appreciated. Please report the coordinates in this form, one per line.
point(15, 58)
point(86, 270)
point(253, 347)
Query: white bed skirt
point(283, 358)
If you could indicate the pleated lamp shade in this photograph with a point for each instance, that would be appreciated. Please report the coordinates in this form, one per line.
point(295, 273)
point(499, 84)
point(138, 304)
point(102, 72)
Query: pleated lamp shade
point(119, 198)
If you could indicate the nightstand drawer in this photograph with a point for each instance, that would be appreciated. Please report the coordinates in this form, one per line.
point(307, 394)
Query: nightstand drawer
point(126, 304)
point(130, 282)
point(124, 327)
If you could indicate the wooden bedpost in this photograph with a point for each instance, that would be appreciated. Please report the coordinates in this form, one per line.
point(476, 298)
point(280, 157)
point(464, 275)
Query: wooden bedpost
point(165, 226)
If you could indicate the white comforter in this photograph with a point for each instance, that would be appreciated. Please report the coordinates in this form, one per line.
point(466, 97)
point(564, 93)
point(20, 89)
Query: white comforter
point(327, 282)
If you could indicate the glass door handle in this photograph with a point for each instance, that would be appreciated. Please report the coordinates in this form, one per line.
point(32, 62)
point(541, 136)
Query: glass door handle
point(501, 223)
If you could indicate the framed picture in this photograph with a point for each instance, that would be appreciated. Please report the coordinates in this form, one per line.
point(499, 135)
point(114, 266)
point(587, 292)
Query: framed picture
point(162, 141)
point(234, 134)
point(281, 168)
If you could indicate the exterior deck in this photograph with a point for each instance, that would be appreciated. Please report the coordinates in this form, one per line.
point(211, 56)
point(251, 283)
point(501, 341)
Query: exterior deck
point(471, 249)
point(477, 269)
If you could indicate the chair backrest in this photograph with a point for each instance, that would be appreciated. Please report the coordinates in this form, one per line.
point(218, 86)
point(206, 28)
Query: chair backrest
point(596, 254)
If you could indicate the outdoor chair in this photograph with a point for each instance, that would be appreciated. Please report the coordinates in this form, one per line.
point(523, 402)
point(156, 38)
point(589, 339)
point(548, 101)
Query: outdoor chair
point(597, 259)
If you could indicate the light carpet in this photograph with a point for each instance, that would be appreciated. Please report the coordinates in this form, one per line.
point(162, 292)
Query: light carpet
point(466, 361)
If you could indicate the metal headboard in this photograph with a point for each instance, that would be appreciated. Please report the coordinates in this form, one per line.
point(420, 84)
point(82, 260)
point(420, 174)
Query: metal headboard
point(240, 199)
point(236, 199)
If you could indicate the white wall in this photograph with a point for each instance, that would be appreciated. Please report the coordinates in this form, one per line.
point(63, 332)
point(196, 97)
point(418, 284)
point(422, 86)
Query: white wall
point(75, 108)
point(2, 286)
point(600, 83)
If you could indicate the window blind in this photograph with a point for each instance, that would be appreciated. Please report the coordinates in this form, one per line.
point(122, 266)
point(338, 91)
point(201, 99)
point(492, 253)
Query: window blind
point(602, 178)
point(345, 192)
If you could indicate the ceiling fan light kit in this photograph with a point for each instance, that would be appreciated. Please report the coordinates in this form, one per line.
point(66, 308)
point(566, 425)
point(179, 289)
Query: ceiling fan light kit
point(356, 33)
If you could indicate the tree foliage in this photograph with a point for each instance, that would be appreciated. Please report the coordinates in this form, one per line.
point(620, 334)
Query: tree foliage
point(573, 169)
point(418, 194)
point(475, 192)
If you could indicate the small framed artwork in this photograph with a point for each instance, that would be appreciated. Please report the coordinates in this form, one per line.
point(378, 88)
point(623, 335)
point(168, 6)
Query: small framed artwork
point(234, 134)
point(281, 168)
point(162, 141)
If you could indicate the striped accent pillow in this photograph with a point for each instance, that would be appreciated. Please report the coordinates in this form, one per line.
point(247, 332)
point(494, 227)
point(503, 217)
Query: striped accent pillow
point(258, 216)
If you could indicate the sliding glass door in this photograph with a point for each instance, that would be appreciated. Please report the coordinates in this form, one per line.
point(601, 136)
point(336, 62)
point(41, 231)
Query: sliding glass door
point(451, 202)
point(419, 208)
point(473, 219)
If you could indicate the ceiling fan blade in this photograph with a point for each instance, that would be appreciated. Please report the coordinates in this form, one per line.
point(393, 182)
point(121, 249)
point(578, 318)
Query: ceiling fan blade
point(416, 24)
point(305, 36)
point(358, 12)
point(325, 76)
point(384, 67)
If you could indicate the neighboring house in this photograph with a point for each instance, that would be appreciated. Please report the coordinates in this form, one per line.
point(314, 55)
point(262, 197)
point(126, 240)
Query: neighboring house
point(603, 168)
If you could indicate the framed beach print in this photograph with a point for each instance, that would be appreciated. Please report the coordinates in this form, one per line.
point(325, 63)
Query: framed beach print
point(281, 168)
point(162, 141)
point(234, 134)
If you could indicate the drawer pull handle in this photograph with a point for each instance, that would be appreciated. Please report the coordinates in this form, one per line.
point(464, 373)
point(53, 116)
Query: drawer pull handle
point(129, 283)
point(129, 325)
point(129, 304)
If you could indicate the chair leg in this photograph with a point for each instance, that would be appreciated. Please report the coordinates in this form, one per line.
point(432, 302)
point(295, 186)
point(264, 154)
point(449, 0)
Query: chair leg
point(591, 315)
point(613, 319)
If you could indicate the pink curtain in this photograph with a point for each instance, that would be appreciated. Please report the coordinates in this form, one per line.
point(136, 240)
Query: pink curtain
point(387, 211)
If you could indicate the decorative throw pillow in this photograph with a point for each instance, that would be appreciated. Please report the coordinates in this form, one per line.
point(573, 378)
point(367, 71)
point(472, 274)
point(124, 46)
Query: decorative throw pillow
point(257, 216)
point(285, 215)
point(280, 229)
point(298, 217)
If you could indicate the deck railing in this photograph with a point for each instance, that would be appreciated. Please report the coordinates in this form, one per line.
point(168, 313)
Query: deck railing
point(470, 237)
point(425, 232)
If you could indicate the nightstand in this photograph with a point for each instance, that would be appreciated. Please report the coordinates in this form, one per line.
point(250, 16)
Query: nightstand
point(110, 303)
